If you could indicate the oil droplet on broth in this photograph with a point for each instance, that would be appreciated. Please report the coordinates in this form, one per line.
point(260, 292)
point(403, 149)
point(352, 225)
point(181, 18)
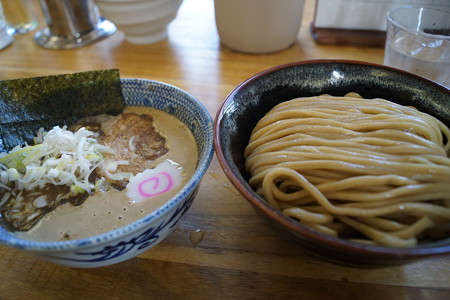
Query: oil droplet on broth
point(196, 236)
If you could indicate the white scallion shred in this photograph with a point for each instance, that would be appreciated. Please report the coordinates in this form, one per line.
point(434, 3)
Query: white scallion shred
point(5, 198)
point(131, 145)
point(61, 157)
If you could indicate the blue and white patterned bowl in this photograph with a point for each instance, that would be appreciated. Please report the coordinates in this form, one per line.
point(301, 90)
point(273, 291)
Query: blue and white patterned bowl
point(133, 239)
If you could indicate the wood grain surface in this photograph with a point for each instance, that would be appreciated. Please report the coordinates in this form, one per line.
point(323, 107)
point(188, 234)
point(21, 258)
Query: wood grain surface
point(222, 249)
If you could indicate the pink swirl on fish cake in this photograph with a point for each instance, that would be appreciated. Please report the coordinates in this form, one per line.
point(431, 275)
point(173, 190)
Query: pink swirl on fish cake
point(149, 191)
point(153, 182)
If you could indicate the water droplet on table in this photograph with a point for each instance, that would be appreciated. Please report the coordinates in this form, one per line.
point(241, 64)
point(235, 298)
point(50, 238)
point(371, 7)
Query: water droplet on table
point(196, 236)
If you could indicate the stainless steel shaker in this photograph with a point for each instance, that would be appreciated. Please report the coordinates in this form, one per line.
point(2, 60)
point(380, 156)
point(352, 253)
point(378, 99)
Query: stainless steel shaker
point(72, 24)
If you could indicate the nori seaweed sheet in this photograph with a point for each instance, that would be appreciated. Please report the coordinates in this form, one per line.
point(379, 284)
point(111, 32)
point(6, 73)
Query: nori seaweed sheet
point(30, 103)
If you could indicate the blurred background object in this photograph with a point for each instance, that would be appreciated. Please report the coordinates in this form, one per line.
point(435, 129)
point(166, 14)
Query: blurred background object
point(359, 22)
point(19, 16)
point(5, 38)
point(258, 26)
point(72, 24)
point(142, 21)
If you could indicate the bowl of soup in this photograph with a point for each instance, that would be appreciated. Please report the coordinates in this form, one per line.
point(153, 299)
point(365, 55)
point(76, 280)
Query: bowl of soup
point(335, 156)
point(154, 156)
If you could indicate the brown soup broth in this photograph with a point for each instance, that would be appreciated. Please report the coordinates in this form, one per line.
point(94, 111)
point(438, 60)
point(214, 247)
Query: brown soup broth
point(106, 211)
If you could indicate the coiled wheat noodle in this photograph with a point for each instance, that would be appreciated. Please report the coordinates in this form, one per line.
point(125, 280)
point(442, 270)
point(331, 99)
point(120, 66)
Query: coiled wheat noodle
point(368, 170)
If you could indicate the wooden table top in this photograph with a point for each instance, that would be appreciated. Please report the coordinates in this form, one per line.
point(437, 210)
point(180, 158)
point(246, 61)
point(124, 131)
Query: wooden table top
point(239, 256)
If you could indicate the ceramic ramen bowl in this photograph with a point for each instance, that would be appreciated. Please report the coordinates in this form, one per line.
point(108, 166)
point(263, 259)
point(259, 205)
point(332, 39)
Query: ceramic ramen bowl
point(251, 99)
point(133, 239)
point(142, 21)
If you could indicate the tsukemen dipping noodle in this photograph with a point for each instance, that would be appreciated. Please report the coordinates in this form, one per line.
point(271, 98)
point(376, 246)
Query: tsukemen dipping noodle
point(367, 170)
point(101, 174)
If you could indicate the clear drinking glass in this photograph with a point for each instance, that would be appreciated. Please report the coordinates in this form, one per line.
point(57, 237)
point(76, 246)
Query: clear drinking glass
point(19, 16)
point(418, 41)
point(5, 38)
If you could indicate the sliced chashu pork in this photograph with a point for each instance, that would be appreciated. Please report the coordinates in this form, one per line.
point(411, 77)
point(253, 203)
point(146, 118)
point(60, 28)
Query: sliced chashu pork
point(134, 139)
